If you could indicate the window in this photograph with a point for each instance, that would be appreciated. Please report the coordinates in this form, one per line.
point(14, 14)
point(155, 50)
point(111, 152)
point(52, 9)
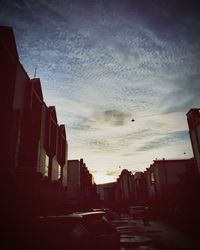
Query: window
point(59, 172)
point(46, 165)
point(152, 178)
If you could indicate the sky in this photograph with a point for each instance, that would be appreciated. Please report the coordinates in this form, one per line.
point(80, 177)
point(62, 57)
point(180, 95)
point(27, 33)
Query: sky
point(102, 64)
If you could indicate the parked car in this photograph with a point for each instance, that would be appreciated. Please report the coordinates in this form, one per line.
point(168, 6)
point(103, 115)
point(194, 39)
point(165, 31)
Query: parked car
point(137, 212)
point(109, 214)
point(101, 233)
point(87, 231)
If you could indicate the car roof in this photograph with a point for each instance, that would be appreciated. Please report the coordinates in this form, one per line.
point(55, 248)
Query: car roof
point(137, 207)
point(100, 209)
point(90, 215)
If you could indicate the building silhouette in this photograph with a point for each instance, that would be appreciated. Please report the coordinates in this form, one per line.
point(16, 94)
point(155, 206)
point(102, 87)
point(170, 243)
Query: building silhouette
point(108, 193)
point(34, 145)
point(81, 188)
point(125, 186)
point(164, 176)
point(193, 118)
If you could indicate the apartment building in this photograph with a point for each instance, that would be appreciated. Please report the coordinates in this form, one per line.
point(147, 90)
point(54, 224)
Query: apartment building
point(80, 183)
point(34, 144)
point(125, 185)
point(164, 176)
point(108, 193)
point(193, 118)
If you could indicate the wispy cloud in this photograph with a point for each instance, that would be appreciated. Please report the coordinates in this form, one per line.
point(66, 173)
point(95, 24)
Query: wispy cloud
point(164, 141)
point(185, 95)
point(112, 173)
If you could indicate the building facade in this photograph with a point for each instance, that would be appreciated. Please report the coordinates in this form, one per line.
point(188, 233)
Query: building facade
point(80, 183)
point(108, 193)
point(193, 118)
point(139, 188)
point(125, 186)
point(34, 144)
point(164, 177)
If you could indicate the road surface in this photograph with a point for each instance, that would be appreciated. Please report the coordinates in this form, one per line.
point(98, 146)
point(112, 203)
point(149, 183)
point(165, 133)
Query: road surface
point(155, 236)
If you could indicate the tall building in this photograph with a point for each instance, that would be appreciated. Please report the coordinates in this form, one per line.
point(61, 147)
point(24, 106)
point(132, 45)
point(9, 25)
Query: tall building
point(34, 145)
point(52, 143)
point(108, 193)
point(164, 176)
point(62, 154)
point(125, 185)
point(73, 179)
point(15, 98)
point(22, 103)
point(193, 118)
point(80, 183)
point(139, 188)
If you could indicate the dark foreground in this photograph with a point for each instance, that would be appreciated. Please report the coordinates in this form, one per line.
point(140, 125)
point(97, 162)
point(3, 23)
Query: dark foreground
point(156, 235)
point(134, 234)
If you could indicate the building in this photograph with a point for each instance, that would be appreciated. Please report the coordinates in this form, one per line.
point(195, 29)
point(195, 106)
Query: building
point(85, 182)
point(80, 183)
point(52, 144)
point(164, 177)
point(34, 144)
point(193, 118)
point(108, 193)
point(125, 186)
point(139, 188)
point(15, 86)
point(62, 154)
point(22, 100)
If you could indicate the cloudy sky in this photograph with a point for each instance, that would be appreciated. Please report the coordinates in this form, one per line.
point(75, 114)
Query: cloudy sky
point(103, 63)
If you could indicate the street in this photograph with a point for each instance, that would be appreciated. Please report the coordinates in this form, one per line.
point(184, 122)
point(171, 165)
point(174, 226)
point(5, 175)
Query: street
point(155, 236)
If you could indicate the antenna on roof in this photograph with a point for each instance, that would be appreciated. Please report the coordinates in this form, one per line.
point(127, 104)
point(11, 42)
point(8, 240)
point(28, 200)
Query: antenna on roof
point(35, 72)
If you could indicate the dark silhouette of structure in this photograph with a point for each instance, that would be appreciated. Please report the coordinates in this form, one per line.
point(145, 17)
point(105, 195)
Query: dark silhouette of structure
point(193, 119)
point(34, 145)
